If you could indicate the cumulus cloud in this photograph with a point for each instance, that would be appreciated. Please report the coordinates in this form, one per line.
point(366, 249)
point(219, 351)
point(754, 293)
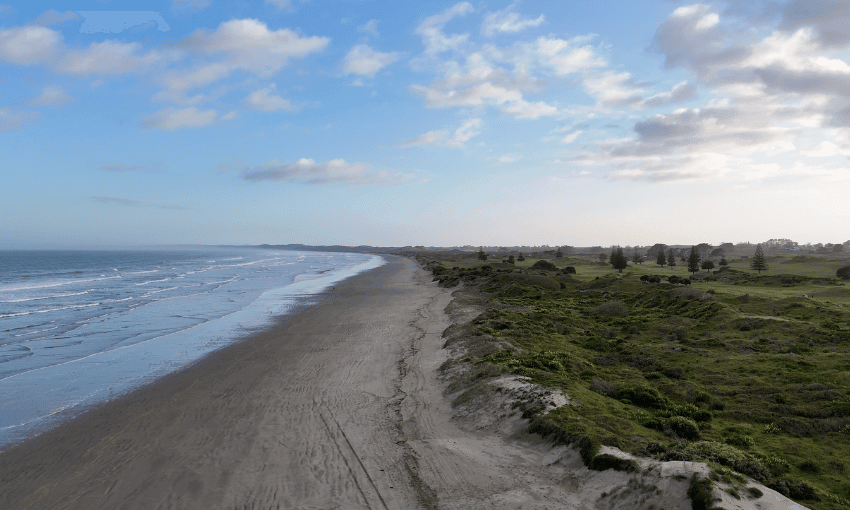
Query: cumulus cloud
point(335, 171)
point(828, 18)
point(507, 21)
point(10, 121)
point(693, 37)
point(170, 119)
point(53, 17)
point(51, 96)
point(365, 61)
point(108, 57)
point(239, 44)
point(29, 45)
point(370, 27)
point(264, 100)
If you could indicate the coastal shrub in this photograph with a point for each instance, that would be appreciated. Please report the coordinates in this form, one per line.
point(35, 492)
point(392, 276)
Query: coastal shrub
point(611, 309)
point(569, 270)
point(684, 427)
point(703, 416)
point(795, 489)
point(754, 492)
point(740, 441)
point(642, 396)
point(843, 273)
point(545, 265)
point(605, 461)
point(700, 492)
point(700, 396)
point(775, 465)
point(809, 466)
point(693, 294)
point(603, 387)
point(587, 447)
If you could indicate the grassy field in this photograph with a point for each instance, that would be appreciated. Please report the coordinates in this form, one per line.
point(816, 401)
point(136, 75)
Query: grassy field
point(749, 372)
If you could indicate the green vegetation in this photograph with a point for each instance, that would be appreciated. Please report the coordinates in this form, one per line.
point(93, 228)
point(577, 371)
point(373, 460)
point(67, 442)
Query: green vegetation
point(745, 371)
point(759, 262)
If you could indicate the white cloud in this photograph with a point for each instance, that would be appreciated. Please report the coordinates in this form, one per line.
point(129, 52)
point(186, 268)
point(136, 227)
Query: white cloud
point(507, 21)
point(334, 171)
point(370, 27)
point(53, 17)
point(429, 138)
point(469, 129)
point(264, 100)
point(613, 89)
point(51, 96)
point(526, 110)
point(465, 132)
point(365, 61)
point(170, 119)
point(13, 121)
point(570, 138)
point(431, 30)
point(30, 45)
point(249, 44)
point(683, 91)
point(509, 159)
point(108, 57)
point(6, 9)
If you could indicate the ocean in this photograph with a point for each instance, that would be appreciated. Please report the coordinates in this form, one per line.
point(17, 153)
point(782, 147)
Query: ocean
point(78, 328)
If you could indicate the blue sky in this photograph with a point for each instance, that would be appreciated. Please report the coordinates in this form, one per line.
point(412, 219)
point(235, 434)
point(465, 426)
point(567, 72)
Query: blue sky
point(423, 123)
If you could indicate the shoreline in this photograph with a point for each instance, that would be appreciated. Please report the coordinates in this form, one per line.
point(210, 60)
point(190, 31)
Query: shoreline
point(190, 439)
point(42, 397)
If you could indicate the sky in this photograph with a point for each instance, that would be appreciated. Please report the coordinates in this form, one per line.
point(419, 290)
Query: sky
point(387, 123)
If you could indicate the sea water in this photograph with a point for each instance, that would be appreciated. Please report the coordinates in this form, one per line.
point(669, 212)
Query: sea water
point(78, 328)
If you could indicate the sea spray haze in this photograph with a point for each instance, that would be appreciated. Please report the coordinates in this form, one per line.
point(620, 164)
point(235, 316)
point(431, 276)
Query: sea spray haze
point(80, 327)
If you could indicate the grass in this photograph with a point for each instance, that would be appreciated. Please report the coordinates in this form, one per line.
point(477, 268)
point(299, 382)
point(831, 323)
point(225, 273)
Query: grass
point(737, 368)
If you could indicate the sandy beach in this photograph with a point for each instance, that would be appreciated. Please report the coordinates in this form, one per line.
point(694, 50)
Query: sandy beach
point(338, 406)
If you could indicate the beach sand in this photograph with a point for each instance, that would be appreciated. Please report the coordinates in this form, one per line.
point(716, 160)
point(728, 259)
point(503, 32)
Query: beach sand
point(338, 406)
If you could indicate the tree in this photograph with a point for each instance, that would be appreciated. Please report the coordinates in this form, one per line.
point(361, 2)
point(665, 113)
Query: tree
point(659, 259)
point(481, 254)
point(723, 262)
point(703, 249)
point(520, 257)
point(637, 258)
point(843, 273)
point(671, 260)
point(759, 262)
point(707, 265)
point(559, 253)
point(511, 259)
point(602, 258)
point(618, 260)
point(693, 260)
point(653, 252)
